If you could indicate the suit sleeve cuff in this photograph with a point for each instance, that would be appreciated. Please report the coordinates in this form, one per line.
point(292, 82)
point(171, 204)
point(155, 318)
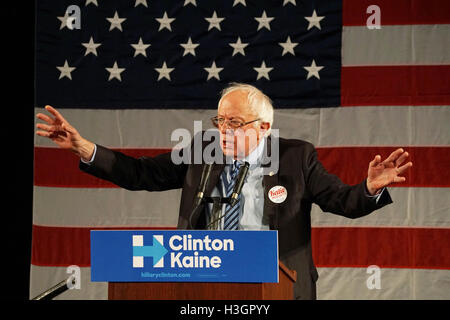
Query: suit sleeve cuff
point(92, 158)
point(375, 197)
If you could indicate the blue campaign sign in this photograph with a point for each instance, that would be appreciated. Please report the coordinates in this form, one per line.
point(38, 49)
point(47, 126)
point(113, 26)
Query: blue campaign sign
point(184, 256)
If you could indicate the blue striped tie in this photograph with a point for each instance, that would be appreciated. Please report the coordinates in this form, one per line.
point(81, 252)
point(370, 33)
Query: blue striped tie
point(231, 221)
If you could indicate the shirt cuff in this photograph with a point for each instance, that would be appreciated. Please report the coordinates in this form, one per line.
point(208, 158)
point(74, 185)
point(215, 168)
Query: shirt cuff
point(376, 197)
point(92, 158)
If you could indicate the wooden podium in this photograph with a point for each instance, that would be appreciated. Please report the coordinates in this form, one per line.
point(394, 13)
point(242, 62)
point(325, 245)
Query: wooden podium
point(283, 290)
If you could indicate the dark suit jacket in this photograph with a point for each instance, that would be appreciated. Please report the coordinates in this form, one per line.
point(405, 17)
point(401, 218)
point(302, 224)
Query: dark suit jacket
point(299, 172)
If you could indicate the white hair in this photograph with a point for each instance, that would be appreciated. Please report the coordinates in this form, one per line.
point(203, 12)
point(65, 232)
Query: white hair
point(258, 103)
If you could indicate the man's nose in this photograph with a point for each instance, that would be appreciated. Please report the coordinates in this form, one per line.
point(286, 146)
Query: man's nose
point(225, 127)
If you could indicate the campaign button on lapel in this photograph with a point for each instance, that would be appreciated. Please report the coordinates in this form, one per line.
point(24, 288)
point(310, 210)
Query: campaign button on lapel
point(277, 194)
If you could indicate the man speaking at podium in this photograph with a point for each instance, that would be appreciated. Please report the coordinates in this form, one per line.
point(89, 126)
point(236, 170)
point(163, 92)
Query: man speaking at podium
point(279, 199)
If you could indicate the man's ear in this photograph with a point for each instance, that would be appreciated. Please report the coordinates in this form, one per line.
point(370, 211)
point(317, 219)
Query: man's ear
point(264, 126)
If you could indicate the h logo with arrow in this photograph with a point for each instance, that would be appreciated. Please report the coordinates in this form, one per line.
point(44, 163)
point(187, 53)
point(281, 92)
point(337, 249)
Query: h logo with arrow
point(156, 251)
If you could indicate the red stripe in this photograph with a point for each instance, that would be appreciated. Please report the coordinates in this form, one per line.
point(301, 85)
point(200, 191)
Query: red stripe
point(63, 246)
point(395, 85)
point(59, 168)
point(351, 164)
point(332, 247)
point(397, 12)
point(385, 247)
point(54, 167)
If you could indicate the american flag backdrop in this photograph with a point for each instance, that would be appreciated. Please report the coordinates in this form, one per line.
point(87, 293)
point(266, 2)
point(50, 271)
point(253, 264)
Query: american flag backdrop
point(136, 70)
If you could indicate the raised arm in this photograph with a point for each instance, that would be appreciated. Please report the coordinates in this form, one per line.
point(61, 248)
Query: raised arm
point(332, 195)
point(59, 130)
point(145, 173)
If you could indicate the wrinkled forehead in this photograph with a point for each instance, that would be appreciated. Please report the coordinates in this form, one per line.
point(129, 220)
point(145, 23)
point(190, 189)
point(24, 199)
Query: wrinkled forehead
point(234, 104)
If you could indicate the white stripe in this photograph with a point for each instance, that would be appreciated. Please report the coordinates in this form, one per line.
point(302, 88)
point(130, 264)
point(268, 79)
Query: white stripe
point(105, 207)
point(395, 284)
point(412, 207)
point(396, 45)
point(333, 283)
point(43, 278)
point(382, 126)
point(131, 128)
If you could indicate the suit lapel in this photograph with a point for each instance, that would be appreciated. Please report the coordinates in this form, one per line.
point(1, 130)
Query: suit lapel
point(269, 180)
point(216, 170)
point(270, 208)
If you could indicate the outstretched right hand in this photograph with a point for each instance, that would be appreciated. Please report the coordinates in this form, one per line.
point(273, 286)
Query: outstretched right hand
point(63, 134)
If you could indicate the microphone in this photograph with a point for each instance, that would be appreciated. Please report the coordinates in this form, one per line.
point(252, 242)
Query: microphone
point(202, 186)
point(243, 171)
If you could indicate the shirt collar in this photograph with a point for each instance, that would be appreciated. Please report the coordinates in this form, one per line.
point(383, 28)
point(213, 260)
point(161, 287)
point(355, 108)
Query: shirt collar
point(254, 158)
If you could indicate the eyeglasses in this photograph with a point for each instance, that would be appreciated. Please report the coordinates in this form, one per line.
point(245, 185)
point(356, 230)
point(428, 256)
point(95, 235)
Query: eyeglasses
point(233, 123)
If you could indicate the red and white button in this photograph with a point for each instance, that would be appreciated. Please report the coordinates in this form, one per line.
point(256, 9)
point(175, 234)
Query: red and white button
point(277, 194)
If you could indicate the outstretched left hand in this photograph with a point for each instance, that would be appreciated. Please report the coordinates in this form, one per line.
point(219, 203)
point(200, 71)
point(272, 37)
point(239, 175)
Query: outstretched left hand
point(383, 173)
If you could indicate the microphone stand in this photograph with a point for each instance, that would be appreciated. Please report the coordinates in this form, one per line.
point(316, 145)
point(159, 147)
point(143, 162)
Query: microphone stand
point(56, 290)
point(216, 214)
